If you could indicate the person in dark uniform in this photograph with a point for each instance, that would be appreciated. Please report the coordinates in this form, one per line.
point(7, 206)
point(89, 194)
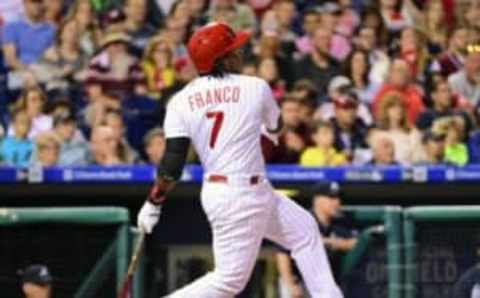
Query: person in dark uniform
point(338, 238)
point(468, 285)
point(36, 282)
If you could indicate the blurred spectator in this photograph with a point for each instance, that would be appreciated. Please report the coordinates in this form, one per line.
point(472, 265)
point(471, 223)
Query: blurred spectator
point(104, 147)
point(383, 150)
point(453, 58)
point(445, 104)
point(54, 12)
point(432, 20)
point(114, 69)
point(98, 103)
point(154, 142)
point(400, 80)
point(413, 50)
point(379, 62)
point(318, 66)
point(175, 32)
point(348, 20)
point(16, 149)
point(472, 15)
point(82, 13)
point(306, 93)
point(294, 138)
point(350, 130)
point(433, 148)
point(47, 149)
point(158, 67)
point(242, 17)
point(280, 19)
point(372, 19)
point(341, 86)
point(330, 15)
point(394, 15)
point(114, 120)
point(64, 63)
point(392, 119)
point(33, 101)
point(25, 40)
point(466, 81)
point(456, 151)
point(337, 236)
point(269, 47)
point(357, 69)
point(73, 148)
point(268, 70)
point(136, 25)
point(310, 21)
point(323, 154)
point(36, 282)
point(197, 9)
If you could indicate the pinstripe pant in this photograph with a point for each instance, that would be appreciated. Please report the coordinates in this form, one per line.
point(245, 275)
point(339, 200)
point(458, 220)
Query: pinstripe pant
point(241, 216)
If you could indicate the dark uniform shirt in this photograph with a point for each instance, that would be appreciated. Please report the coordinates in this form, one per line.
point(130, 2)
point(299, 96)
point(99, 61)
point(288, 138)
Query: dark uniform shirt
point(339, 228)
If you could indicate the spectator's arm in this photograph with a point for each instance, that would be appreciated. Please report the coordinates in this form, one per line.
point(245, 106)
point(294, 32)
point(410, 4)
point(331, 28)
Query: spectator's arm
point(9, 48)
point(284, 266)
point(340, 244)
point(9, 52)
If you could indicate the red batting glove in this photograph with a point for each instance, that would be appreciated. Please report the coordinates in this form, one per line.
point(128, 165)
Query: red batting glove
point(156, 195)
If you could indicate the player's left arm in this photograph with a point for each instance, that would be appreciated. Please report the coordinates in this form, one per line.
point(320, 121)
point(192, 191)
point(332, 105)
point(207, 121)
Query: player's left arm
point(169, 172)
point(170, 168)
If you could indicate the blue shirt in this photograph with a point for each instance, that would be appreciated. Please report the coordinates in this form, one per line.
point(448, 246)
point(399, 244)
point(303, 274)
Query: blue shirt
point(30, 40)
point(15, 152)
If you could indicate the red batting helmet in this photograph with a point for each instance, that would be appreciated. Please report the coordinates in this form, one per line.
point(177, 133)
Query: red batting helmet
point(211, 42)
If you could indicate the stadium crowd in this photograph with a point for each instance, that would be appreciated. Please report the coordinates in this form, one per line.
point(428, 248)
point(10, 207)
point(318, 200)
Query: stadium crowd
point(381, 82)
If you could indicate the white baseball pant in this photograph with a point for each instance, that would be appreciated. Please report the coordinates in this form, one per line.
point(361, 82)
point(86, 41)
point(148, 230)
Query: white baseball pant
point(241, 215)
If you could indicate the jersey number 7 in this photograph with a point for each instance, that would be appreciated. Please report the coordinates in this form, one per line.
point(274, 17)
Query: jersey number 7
point(217, 125)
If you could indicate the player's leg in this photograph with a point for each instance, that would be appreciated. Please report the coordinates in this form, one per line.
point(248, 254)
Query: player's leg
point(238, 224)
point(295, 229)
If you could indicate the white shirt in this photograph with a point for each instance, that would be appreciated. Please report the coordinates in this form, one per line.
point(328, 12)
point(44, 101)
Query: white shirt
point(223, 118)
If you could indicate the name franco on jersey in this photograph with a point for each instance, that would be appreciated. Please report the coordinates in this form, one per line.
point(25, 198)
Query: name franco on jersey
point(227, 94)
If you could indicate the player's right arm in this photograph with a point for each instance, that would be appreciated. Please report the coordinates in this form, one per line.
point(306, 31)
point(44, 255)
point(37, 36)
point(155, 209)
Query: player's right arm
point(169, 170)
point(271, 116)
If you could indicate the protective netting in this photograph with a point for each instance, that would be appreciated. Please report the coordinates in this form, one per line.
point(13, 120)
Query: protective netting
point(444, 251)
point(369, 276)
point(70, 252)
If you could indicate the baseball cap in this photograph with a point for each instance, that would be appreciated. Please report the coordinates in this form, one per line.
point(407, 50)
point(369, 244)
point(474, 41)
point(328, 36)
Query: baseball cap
point(213, 41)
point(63, 118)
point(338, 82)
point(330, 7)
point(36, 274)
point(329, 189)
point(345, 101)
point(114, 37)
point(431, 135)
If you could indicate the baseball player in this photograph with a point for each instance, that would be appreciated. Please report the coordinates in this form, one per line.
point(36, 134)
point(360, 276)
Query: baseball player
point(223, 114)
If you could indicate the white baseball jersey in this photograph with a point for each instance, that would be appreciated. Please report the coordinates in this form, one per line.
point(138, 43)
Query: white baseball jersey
point(223, 119)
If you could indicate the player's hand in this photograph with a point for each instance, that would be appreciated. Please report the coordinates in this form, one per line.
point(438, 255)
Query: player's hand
point(148, 216)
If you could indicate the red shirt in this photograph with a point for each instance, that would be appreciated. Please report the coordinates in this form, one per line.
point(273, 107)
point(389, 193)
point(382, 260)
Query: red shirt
point(412, 98)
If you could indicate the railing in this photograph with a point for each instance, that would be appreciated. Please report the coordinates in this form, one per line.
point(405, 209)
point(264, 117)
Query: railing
point(276, 173)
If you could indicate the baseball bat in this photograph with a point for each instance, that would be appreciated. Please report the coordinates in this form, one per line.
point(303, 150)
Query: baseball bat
point(127, 282)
